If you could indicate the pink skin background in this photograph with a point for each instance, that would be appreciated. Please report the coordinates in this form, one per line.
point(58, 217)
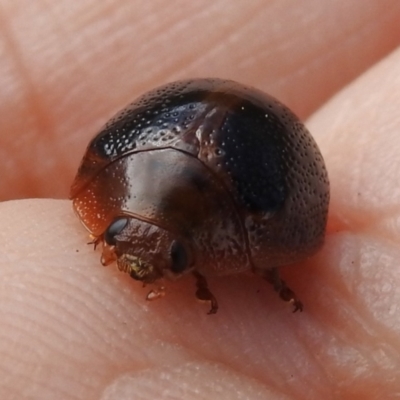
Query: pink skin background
point(71, 329)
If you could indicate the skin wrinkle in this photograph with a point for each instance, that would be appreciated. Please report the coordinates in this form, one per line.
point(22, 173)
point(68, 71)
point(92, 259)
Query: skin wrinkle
point(349, 326)
point(49, 315)
point(177, 30)
point(48, 327)
point(192, 59)
point(277, 385)
point(345, 40)
point(9, 43)
point(357, 324)
point(243, 375)
point(70, 168)
point(325, 384)
point(171, 384)
point(42, 121)
point(210, 358)
point(377, 221)
point(33, 97)
point(357, 317)
point(321, 390)
point(218, 42)
point(319, 360)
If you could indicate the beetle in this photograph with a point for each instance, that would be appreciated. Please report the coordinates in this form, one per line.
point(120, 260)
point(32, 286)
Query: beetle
point(208, 177)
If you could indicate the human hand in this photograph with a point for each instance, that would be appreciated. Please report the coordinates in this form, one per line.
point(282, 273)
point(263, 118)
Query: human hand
point(72, 329)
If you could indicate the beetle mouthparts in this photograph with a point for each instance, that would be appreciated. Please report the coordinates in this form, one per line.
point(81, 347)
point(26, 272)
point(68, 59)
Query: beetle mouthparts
point(137, 268)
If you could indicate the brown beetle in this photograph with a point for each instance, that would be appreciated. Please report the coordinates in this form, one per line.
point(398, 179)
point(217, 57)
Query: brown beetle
point(204, 176)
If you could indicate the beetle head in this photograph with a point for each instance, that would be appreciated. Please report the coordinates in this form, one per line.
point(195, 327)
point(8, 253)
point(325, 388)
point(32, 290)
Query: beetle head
point(144, 250)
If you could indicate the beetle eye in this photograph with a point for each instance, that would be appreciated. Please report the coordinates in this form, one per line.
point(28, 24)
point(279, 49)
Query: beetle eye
point(178, 256)
point(113, 230)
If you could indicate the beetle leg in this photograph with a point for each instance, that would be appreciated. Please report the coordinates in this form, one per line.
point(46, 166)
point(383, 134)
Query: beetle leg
point(285, 293)
point(96, 240)
point(155, 294)
point(203, 292)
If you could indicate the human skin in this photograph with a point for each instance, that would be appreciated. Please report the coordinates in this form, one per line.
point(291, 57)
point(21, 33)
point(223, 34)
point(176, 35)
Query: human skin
point(72, 329)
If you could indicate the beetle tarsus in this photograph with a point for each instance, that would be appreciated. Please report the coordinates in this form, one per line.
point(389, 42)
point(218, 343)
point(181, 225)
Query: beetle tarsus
point(155, 294)
point(285, 293)
point(96, 240)
point(203, 293)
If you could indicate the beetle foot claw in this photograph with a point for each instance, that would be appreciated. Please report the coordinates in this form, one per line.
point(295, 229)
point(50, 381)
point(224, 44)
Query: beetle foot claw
point(298, 305)
point(285, 293)
point(203, 293)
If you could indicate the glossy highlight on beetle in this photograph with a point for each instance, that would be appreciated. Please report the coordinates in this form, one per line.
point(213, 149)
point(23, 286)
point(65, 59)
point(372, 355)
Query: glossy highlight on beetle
point(207, 177)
